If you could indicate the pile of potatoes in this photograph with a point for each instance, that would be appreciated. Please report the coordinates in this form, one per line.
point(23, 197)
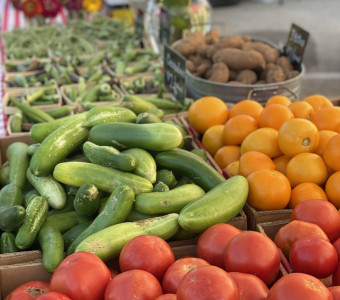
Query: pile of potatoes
point(233, 59)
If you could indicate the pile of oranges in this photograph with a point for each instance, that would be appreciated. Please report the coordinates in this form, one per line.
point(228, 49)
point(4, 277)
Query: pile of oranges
point(288, 151)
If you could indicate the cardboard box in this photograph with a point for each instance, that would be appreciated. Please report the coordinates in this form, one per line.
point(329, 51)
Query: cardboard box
point(6, 141)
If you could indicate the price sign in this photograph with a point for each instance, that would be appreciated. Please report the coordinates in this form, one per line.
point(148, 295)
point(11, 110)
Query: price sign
point(296, 44)
point(164, 26)
point(174, 73)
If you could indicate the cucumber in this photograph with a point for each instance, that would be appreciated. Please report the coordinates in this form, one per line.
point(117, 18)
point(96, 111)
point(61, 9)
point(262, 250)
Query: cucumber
point(188, 164)
point(70, 235)
point(104, 178)
point(171, 201)
point(200, 153)
point(219, 205)
point(7, 243)
point(16, 124)
point(18, 163)
point(11, 217)
point(167, 177)
point(147, 117)
point(109, 157)
point(4, 174)
point(157, 112)
point(108, 243)
point(135, 215)
point(61, 111)
point(36, 213)
point(10, 195)
point(122, 135)
point(183, 234)
point(145, 163)
point(49, 188)
point(183, 180)
point(160, 187)
point(57, 146)
point(31, 148)
point(103, 114)
point(115, 211)
point(164, 103)
point(136, 104)
point(86, 201)
point(64, 221)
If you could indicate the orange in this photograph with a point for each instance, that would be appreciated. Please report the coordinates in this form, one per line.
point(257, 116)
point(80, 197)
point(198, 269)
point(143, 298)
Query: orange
point(226, 155)
point(318, 101)
point(246, 107)
point(280, 163)
point(252, 161)
point(232, 168)
point(301, 109)
point(332, 189)
point(327, 118)
point(306, 191)
point(212, 138)
point(331, 153)
point(264, 140)
point(268, 190)
point(298, 135)
point(324, 137)
point(237, 128)
point(206, 112)
point(274, 116)
point(278, 99)
point(306, 167)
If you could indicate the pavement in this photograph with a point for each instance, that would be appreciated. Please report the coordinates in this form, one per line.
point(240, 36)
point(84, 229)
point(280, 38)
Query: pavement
point(272, 19)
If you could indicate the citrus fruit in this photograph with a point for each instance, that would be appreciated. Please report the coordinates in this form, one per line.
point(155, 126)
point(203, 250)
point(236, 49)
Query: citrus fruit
point(226, 155)
point(332, 189)
point(212, 138)
point(252, 161)
point(278, 99)
point(301, 109)
point(274, 116)
point(246, 107)
point(318, 101)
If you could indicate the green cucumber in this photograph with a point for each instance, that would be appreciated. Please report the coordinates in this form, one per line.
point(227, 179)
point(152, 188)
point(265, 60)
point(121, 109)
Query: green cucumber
point(57, 146)
point(183, 180)
point(171, 201)
point(157, 112)
point(167, 177)
point(4, 174)
point(109, 156)
point(122, 135)
point(36, 213)
point(116, 209)
point(183, 234)
point(164, 103)
point(160, 187)
point(145, 163)
point(201, 153)
point(64, 221)
point(7, 243)
point(16, 123)
point(70, 235)
point(219, 205)
point(135, 215)
point(104, 178)
point(11, 217)
point(109, 113)
point(61, 111)
point(108, 243)
point(31, 148)
point(147, 117)
point(188, 164)
point(49, 188)
point(86, 201)
point(18, 163)
point(10, 195)
point(136, 104)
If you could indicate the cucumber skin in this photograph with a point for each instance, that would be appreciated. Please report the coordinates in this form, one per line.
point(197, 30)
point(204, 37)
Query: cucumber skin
point(10, 195)
point(219, 205)
point(108, 243)
point(122, 135)
point(57, 146)
point(188, 164)
point(104, 178)
point(11, 217)
point(86, 201)
point(171, 201)
point(7, 243)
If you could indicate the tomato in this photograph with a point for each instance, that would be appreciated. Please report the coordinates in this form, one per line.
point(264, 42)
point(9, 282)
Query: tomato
point(336, 276)
point(313, 256)
point(29, 290)
point(212, 242)
point(167, 297)
point(147, 252)
point(297, 286)
point(207, 282)
point(53, 296)
point(320, 212)
point(335, 291)
point(113, 272)
point(177, 270)
point(294, 230)
point(133, 284)
point(336, 245)
point(78, 270)
point(254, 253)
point(249, 286)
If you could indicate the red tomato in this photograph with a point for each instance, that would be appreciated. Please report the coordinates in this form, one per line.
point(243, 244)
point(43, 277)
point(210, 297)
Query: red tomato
point(79, 270)
point(336, 276)
point(133, 284)
point(207, 282)
point(254, 253)
point(53, 296)
point(177, 270)
point(212, 242)
point(113, 272)
point(313, 256)
point(29, 290)
point(249, 286)
point(167, 297)
point(297, 286)
point(295, 230)
point(320, 212)
point(335, 291)
point(147, 252)
point(336, 245)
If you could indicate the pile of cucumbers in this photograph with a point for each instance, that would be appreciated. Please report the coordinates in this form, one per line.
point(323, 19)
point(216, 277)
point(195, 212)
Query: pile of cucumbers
point(94, 180)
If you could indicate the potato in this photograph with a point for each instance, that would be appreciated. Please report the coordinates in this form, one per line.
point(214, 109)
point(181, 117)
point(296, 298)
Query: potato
point(285, 64)
point(246, 38)
point(220, 73)
point(190, 66)
point(275, 74)
point(203, 49)
point(195, 38)
point(227, 42)
point(232, 74)
point(212, 37)
point(269, 53)
point(238, 59)
point(185, 48)
point(246, 76)
point(263, 75)
point(202, 69)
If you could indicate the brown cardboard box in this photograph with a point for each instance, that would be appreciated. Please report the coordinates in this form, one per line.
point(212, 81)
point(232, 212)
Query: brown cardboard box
point(6, 141)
